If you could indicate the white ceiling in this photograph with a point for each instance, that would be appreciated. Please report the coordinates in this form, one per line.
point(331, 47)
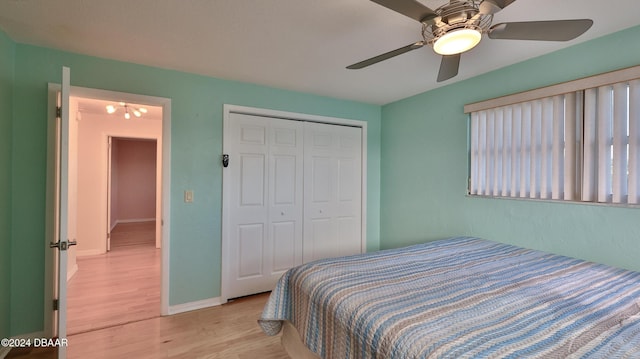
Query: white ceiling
point(99, 107)
point(301, 45)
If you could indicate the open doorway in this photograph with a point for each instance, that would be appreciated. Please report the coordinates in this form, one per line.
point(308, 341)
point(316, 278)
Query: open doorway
point(115, 273)
point(65, 117)
point(132, 196)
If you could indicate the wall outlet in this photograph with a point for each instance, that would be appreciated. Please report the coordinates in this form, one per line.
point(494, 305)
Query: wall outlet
point(188, 196)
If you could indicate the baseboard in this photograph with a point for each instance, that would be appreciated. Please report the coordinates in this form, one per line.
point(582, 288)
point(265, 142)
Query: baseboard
point(134, 220)
point(137, 220)
point(200, 304)
point(88, 252)
point(73, 271)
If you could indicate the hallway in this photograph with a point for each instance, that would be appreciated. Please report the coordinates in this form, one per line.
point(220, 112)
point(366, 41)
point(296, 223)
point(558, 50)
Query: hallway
point(119, 287)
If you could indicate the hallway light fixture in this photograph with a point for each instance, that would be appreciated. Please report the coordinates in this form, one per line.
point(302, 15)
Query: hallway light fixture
point(128, 110)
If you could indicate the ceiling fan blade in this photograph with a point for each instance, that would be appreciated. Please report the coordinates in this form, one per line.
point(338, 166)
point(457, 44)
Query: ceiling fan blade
point(558, 30)
point(410, 8)
point(386, 55)
point(448, 67)
point(488, 7)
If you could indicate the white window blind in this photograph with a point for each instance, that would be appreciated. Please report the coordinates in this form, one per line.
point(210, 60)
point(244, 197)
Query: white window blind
point(612, 115)
point(526, 150)
point(578, 146)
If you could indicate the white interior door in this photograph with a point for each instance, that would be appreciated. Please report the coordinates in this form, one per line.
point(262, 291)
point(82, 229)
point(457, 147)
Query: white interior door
point(264, 225)
point(109, 194)
point(65, 208)
point(332, 191)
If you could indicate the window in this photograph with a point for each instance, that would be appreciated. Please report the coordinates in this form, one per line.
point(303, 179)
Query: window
point(577, 145)
point(612, 116)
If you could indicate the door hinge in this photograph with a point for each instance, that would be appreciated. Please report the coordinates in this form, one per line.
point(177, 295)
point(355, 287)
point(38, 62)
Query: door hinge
point(58, 112)
point(56, 304)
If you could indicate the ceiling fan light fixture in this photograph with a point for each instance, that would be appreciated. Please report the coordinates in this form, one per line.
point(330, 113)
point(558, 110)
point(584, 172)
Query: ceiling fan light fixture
point(457, 41)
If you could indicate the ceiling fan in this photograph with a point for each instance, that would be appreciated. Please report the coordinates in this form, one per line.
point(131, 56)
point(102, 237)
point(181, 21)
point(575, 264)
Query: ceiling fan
point(458, 26)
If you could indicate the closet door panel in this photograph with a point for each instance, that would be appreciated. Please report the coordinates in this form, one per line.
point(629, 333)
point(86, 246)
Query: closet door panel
point(322, 239)
point(266, 202)
point(333, 182)
point(285, 194)
point(250, 240)
point(285, 242)
point(252, 176)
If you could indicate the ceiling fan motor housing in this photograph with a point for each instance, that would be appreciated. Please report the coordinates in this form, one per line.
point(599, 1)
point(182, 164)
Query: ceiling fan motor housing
point(454, 16)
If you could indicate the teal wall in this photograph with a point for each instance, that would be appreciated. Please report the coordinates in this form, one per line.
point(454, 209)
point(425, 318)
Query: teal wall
point(425, 159)
point(420, 163)
point(196, 144)
point(7, 51)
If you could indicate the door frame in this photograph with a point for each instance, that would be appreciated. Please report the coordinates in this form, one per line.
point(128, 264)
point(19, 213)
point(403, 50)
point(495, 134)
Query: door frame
point(227, 110)
point(165, 214)
point(107, 137)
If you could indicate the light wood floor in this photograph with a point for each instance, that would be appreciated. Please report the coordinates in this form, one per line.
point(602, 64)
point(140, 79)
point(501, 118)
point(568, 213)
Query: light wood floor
point(119, 287)
point(114, 312)
point(229, 331)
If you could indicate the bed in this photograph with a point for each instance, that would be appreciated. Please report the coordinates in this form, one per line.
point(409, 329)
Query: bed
point(462, 297)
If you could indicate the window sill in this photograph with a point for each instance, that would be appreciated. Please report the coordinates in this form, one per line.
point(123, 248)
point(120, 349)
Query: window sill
point(559, 201)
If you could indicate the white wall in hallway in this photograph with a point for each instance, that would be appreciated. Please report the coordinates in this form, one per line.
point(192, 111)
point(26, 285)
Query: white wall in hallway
point(93, 132)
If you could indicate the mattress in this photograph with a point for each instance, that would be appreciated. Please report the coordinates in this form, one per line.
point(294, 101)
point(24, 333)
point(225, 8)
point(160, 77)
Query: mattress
point(459, 298)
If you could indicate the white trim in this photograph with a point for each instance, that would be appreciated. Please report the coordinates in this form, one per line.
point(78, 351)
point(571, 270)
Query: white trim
point(138, 220)
point(190, 306)
point(608, 78)
point(263, 112)
point(106, 135)
point(227, 110)
point(89, 252)
point(527, 199)
point(135, 220)
point(52, 90)
point(73, 271)
point(164, 217)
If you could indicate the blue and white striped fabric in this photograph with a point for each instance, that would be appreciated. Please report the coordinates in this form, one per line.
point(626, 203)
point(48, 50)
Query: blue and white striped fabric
point(459, 298)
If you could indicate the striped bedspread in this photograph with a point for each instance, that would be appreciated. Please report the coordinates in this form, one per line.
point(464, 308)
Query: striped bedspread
point(459, 298)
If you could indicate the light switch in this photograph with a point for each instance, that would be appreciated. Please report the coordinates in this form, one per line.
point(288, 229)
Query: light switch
point(188, 196)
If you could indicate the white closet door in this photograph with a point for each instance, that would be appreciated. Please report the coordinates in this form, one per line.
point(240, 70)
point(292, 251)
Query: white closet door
point(266, 201)
point(332, 191)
